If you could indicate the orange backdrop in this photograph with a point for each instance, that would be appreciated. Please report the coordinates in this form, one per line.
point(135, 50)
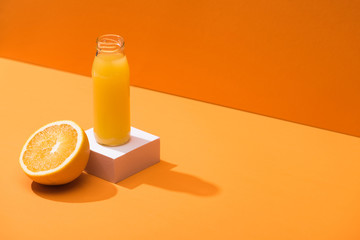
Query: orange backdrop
point(295, 60)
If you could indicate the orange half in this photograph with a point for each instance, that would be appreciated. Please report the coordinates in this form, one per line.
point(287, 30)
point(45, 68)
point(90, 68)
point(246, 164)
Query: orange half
point(55, 154)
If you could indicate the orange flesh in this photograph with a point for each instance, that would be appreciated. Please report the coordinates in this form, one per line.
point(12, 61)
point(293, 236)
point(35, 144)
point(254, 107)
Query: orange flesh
point(50, 147)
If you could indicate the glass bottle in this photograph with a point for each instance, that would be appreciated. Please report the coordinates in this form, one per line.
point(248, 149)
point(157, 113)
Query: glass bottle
point(111, 91)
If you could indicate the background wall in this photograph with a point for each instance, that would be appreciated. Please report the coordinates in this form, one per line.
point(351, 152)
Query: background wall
point(295, 60)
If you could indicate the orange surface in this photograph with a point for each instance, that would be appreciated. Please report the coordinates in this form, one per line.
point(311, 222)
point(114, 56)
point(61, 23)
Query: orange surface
point(296, 60)
point(224, 174)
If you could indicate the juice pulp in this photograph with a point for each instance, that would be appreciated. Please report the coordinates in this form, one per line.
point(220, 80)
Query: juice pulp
point(111, 86)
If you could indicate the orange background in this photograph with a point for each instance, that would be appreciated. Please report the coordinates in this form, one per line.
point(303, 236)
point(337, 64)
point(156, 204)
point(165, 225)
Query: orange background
point(224, 173)
point(295, 60)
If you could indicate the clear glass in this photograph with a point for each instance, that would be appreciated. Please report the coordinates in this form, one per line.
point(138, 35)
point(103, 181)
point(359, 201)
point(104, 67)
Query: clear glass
point(111, 91)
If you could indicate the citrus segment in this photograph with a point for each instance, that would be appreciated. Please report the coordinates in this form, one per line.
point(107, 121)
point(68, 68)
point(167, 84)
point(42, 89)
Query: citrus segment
point(50, 147)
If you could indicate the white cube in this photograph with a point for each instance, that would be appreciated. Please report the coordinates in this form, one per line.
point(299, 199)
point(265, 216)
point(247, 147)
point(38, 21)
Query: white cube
point(117, 163)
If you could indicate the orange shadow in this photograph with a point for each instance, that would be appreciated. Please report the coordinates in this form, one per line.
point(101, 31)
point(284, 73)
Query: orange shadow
point(85, 188)
point(160, 175)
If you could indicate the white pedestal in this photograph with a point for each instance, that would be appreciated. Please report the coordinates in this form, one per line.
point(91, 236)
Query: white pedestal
point(117, 163)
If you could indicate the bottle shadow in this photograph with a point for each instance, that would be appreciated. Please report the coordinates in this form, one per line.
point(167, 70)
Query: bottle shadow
point(86, 188)
point(160, 175)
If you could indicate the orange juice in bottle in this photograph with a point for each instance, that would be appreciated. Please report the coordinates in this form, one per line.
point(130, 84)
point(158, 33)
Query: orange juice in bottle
point(111, 91)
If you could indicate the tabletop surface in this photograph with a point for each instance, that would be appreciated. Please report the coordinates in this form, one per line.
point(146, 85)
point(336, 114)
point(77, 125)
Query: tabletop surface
point(224, 173)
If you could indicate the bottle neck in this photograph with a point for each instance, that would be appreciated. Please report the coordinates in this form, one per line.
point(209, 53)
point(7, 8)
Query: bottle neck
point(109, 44)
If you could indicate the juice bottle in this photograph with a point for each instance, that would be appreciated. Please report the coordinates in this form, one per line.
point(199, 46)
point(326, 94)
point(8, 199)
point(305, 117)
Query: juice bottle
point(111, 90)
